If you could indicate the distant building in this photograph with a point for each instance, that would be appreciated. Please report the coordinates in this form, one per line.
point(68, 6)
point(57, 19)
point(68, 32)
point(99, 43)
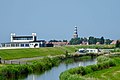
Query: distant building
point(75, 35)
point(114, 42)
point(84, 43)
point(97, 43)
point(60, 43)
point(27, 41)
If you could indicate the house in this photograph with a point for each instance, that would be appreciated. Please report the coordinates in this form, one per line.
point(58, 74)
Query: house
point(59, 43)
point(114, 42)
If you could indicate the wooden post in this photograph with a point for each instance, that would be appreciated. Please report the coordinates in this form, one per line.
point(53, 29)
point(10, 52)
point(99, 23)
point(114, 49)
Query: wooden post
point(4, 61)
point(0, 61)
point(11, 62)
point(19, 62)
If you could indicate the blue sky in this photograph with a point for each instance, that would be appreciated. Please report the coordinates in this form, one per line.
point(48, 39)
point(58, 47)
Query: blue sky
point(56, 19)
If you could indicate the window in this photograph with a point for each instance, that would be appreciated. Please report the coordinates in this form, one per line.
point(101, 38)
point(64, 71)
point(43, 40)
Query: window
point(17, 45)
point(23, 38)
point(22, 45)
point(7, 45)
point(12, 45)
point(26, 45)
point(91, 50)
point(3, 45)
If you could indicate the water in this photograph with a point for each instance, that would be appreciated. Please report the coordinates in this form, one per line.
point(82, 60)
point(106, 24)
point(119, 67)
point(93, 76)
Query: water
point(54, 73)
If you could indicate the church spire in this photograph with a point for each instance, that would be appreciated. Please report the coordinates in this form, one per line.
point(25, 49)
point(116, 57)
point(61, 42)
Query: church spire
point(75, 35)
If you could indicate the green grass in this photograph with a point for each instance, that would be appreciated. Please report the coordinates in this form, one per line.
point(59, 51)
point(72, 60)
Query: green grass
point(45, 51)
point(25, 53)
point(112, 73)
point(107, 74)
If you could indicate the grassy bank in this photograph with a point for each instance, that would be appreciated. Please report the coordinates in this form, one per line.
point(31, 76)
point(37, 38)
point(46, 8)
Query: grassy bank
point(15, 72)
point(80, 73)
point(112, 73)
point(28, 53)
point(45, 51)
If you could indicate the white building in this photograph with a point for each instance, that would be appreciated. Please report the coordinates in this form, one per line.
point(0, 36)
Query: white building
point(26, 41)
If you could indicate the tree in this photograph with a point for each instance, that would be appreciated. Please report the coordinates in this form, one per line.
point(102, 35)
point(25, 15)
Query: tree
point(92, 40)
point(65, 41)
point(85, 39)
point(102, 40)
point(53, 41)
point(75, 41)
point(108, 41)
point(98, 39)
point(118, 44)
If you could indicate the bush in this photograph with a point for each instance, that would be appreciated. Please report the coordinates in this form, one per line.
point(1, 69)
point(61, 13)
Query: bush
point(93, 67)
point(9, 72)
point(102, 59)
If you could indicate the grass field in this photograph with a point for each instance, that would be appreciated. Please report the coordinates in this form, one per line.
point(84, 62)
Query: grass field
point(34, 52)
point(45, 51)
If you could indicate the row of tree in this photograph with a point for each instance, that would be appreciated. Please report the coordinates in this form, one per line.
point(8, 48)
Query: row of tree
point(58, 40)
point(90, 40)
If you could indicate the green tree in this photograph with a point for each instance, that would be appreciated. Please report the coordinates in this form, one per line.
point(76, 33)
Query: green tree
point(65, 41)
point(102, 40)
point(108, 41)
point(98, 39)
point(75, 41)
point(92, 40)
point(118, 44)
point(85, 39)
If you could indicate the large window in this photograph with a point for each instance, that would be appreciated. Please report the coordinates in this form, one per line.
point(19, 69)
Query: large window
point(23, 38)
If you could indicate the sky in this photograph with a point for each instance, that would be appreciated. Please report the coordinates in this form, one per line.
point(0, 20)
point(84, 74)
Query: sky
point(56, 19)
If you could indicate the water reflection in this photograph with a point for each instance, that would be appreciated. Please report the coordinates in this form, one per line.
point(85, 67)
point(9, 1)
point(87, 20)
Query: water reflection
point(54, 73)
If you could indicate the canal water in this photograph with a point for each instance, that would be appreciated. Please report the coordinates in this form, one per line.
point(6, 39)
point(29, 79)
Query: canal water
point(54, 73)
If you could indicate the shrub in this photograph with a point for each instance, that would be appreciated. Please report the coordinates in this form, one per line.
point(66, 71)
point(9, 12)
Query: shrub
point(9, 72)
point(93, 67)
point(101, 59)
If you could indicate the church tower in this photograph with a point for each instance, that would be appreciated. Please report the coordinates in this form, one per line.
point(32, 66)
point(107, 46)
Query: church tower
point(75, 35)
